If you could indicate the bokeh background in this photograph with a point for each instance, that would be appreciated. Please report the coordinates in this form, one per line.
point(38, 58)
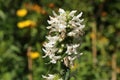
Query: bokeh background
point(23, 29)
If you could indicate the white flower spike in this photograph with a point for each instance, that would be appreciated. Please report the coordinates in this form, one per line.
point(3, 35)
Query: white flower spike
point(63, 41)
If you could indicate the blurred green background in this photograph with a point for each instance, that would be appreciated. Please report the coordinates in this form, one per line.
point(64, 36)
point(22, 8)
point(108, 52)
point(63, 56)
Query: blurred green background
point(23, 29)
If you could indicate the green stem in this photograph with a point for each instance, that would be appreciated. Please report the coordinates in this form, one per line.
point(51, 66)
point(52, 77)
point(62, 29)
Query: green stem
point(66, 71)
point(67, 75)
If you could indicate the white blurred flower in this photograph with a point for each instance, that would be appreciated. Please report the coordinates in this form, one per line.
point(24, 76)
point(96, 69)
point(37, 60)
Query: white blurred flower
point(58, 23)
point(53, 39)
point(61, 11)
point(54, 58)
point(49, 44)
point(54, 13)
point(72, 49)
point(53, 20)
point(49, 51)
point(65, 30)
point(72, 33)
point(72, 13)
point(49, 77)
point(76, 32)
point(71, 59)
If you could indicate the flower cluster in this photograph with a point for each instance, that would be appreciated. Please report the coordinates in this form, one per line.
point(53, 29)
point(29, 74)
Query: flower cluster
point(26, 23)
point(64, 29)
point(64, 36)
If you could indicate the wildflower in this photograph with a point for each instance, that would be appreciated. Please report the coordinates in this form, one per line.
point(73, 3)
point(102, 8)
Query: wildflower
point(76, 32)
point(58, 23)
point(21, 12)
point(49, 51)
point(54, 58)
point(34, 55)
point(72, 49)
point(26, 23)
point(63, 40)
point(51, 77)
point(63, 26)
point(52, 38)
point(72, 13)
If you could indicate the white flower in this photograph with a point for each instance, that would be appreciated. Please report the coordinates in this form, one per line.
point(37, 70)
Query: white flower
point(72, 33)
point(50, 77)
point(79, 15)
point(52, 20)
point(60, 79)
point(76, 21)
point(54, 14)
point(58, 23)
point(52, 38)
point(49, 51)
point(61, 26)
point(72, 13)
point(72, 49)
point(61, 11)
point(49, 44)
point(76, 32)
point(54, 58)
point(71, 59)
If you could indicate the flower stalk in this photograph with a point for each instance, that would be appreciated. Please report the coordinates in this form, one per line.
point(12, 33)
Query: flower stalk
point(30, 76)
point(63, 41)
point(67, 75)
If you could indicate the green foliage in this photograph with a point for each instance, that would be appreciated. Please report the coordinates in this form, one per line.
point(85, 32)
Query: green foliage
point(102, 15)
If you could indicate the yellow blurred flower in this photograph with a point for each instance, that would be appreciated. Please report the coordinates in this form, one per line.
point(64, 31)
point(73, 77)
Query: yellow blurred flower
point(21, 12)
point(34, 55)
point(103, 40)
point(74, 67)
point(93, 35)
point(26, 23)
